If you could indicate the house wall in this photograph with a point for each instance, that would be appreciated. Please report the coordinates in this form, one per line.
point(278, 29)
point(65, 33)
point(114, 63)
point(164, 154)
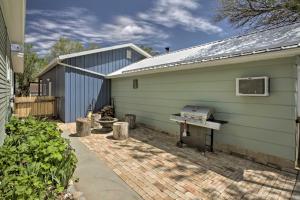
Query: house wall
point(57, 78)
point(5, 84)
point(84, 90)
point(258, 124)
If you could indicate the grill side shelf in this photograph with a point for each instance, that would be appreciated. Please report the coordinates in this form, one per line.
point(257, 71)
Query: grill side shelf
point(207, 124)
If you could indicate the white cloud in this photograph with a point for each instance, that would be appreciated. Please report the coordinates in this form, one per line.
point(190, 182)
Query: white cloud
point(171, 13)
point(44, 27)
point(48, 26)
point(126, 29)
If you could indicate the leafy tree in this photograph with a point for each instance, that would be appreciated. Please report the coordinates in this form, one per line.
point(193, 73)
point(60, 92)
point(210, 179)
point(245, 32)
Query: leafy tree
point(92, 46)
point(64, 46)
point(259, 14)
point(67, 46)
point(32, 66)
point(149, 50)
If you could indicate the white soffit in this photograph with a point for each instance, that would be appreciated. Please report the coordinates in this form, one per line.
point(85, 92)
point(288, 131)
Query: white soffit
point(14, 12)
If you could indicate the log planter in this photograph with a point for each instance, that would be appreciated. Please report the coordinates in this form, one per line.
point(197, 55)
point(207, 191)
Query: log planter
point(120, 130)
point(83, 127)
point(130, 118)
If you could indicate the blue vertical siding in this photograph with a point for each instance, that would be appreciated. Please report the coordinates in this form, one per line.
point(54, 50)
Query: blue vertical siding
point(77, 91)
point(57, 78)
point(84, 90)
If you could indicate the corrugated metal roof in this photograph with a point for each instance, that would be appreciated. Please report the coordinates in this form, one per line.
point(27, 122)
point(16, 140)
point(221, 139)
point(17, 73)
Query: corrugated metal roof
point(281, 38)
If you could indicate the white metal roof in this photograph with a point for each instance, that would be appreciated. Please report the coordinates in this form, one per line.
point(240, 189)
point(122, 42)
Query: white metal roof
point(54, 62)
point(82, 53)
point(267, 41)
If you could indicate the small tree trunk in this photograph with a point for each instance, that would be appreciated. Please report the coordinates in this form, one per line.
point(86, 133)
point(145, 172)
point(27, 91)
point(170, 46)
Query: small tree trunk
point(120, 130)
point(83, 127)
point(95, 120)
point(130, 118)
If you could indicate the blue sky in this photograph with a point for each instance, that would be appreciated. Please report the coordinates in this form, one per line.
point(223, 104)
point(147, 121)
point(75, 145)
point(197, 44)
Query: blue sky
point(156, 23)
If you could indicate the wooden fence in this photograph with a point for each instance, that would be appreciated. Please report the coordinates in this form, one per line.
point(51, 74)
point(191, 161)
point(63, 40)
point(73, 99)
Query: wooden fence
point(40, 106)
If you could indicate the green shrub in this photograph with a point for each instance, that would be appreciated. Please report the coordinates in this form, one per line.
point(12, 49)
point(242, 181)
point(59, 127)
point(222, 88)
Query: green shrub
point(35, 161)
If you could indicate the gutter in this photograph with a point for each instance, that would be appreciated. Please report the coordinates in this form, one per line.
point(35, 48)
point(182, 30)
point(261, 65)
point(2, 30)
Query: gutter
point(213, 62)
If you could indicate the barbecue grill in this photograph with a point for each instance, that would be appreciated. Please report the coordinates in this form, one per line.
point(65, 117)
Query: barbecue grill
point(196, 120)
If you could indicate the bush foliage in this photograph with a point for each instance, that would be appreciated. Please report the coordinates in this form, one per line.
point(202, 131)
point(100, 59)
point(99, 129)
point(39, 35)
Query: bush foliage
point(35, 161)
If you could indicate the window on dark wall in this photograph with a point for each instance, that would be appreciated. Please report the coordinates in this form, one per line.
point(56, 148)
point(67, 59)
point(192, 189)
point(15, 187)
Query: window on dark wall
point(50, 88)
point(135, 84)
point(128, 54)
point(41, 88)
point(44, 89)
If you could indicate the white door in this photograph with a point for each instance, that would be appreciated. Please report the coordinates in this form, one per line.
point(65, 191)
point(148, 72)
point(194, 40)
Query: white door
point(50, 89)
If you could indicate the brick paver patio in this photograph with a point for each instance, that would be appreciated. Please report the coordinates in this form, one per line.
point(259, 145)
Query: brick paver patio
point(155, 168)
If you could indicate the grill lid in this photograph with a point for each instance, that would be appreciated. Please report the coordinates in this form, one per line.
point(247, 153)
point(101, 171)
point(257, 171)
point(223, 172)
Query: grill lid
point(196, 112)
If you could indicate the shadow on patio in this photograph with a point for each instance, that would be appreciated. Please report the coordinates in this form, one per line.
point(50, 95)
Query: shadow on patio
point(155, 168)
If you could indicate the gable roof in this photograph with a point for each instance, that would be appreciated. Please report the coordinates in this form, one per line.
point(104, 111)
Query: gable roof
point(83, 53)
point(262, 42)
point(55, 61)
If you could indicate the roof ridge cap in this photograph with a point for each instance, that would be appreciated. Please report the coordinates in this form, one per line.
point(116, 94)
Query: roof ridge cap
point(101, 48)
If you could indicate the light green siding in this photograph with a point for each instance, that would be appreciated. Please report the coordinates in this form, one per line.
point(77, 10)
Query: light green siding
point(5, 85)
point(260, 124)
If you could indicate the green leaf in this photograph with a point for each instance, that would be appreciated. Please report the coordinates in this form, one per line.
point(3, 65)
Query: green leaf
point(31, 161)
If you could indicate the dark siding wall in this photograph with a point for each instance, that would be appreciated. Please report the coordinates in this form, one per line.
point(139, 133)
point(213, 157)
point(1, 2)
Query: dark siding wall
point(5, 85)
point(110, 61)
point(84, 90)
point(57, 78)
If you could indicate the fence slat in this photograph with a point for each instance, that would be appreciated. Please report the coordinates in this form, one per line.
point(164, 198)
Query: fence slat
point(35, 106)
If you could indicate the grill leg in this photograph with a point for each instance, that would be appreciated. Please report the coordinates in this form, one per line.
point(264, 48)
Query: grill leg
point(180, 142)
point(211, 140)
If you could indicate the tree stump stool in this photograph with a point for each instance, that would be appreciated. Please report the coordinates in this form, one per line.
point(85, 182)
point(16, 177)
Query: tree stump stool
point(120, 130)
point(130, 118)
point(95, 120)
point(83, 127)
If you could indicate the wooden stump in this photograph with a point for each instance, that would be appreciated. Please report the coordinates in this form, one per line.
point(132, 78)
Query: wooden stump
point(95, 120)
point(83, 127)
point(130, 118)
point(120, 130)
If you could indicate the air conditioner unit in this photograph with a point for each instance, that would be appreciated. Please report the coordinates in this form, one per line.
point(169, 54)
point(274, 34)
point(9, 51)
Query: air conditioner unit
point(252, 86)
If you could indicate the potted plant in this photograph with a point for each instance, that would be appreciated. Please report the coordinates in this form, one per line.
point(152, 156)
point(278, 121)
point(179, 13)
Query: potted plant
point(107, 123)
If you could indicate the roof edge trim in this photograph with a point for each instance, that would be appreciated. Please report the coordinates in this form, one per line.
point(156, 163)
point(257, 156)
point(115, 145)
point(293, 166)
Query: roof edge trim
point(211, 63)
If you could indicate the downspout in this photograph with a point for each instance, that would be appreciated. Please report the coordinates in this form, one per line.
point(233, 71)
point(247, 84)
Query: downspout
point(81, 69)
point(39, 87)
point(297, 98)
